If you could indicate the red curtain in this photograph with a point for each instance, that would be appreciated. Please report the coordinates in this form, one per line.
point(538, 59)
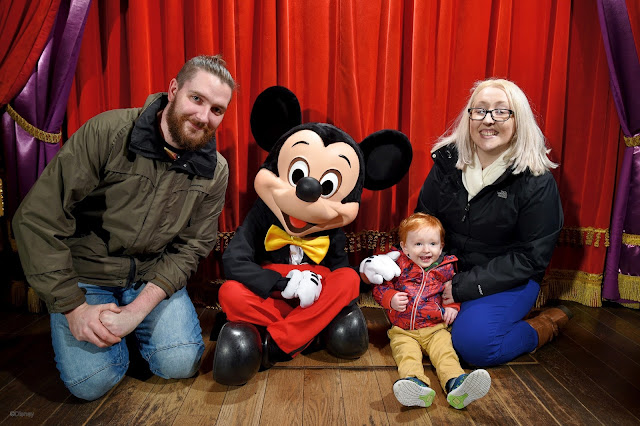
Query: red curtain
point(25, 27)
point(365, 66)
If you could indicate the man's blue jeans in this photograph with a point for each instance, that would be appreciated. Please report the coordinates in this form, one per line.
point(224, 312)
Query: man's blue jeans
point(169, 338)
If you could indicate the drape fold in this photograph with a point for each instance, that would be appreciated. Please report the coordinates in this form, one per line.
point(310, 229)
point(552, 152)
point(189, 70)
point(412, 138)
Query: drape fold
point(25, 27)
point(42, 102)
point(622, 271)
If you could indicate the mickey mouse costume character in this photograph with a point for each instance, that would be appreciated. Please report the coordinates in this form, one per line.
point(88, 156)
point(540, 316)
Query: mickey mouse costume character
point(289, 282)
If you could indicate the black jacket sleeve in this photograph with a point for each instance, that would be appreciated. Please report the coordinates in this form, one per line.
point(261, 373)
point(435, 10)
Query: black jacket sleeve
point(242, 260)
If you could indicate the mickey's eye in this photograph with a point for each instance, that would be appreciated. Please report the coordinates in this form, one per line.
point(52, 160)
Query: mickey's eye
point(330, 183)
point(297, 170)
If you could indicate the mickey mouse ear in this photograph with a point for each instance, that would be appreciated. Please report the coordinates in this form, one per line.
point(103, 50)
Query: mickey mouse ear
point(387, 156)
point(275, 112)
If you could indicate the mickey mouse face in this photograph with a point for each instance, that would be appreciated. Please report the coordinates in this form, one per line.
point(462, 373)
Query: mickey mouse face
point(312, 181)
point(313, 177)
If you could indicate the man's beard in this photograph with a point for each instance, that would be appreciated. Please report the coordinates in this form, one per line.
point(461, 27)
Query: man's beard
point(176, 126)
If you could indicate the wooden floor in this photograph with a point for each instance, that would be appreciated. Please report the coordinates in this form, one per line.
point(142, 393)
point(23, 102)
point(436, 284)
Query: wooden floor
point(589, 375)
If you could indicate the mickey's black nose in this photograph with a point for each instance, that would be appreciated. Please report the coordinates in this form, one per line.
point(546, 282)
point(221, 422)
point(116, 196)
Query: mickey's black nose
point(308, 189)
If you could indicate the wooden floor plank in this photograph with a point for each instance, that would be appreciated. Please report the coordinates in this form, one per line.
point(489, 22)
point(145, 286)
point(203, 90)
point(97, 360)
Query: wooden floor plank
point(204, 400)
point(36, 394)
point(440, 412)
point(612, 318)
point(362, 407)
point(316, 359)
point(585, 376)
point(396, 412)
point(164, 402)
point(610, 337)
point(583, 386)
point(604, 372)
point(284, 398)
point(323, 399)
point(121, 405)
point(522, 402)
point(604, 348)
point(563, 405)
point(243, 404)
point(45, 401)
point(73, 411)
point(632, 316)
point(492, 409)
point(19, 352)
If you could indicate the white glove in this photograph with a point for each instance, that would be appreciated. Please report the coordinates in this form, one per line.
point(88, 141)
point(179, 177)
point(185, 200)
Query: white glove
point(292, 286)
point(381, 267)
point(305, 285)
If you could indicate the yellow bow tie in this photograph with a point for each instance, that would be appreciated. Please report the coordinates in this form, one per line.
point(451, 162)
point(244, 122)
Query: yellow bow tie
point(315, 248)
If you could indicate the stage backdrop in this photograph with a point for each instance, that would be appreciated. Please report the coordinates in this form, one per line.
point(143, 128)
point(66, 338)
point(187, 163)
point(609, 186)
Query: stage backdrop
point(366, 65)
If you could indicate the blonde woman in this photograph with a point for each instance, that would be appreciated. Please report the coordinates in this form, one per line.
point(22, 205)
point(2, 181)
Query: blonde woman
point(491, 187)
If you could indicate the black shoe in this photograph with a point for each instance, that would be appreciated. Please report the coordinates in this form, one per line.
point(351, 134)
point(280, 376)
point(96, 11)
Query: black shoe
point(347, 335)
point(271, 353)
point(238, 354)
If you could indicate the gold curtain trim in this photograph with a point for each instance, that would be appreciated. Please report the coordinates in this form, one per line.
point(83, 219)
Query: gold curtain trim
point(576, 286)
point(223, 240)
point(371, 240)
point(385, 241)
point(632, 141)
point(631, 239)
point(629, 287)
point(584, 236)
point(52, 138)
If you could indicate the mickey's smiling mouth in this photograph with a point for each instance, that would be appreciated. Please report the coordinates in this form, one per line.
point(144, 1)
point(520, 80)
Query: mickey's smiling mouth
point(296, 225)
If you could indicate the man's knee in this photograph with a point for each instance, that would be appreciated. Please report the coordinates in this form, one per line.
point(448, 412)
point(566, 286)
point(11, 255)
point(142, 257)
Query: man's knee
point(99, 383)
point(178, 362)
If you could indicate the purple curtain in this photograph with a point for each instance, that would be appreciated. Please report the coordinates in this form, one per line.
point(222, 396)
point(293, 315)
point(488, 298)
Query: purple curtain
point(622, 268)
point(42, 103)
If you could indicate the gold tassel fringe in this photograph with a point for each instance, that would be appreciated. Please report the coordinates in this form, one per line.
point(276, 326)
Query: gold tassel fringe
point(34, 304)
point(629, 287)
point(18, 293)
point(366, 300)
point(584, 236)
point(382, 241)
point(576, 286)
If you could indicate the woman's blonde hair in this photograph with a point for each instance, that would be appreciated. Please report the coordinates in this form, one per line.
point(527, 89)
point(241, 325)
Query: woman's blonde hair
point(527, 148)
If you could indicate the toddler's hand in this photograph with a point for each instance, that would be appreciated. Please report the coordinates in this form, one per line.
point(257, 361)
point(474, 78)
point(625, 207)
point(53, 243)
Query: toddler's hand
point(399, 301)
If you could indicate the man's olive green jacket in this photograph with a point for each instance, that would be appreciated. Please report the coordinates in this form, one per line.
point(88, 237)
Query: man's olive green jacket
point(112, 209)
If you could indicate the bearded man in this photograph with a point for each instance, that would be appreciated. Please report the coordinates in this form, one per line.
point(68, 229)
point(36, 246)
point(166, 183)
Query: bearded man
point(116, 224)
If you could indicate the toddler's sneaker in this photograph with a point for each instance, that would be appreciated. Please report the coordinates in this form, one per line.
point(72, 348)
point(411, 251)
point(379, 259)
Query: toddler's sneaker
point(413, 392)
point(468, 387)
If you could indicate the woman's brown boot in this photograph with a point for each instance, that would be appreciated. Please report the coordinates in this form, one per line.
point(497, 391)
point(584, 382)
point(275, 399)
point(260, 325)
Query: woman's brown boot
point(548, 323)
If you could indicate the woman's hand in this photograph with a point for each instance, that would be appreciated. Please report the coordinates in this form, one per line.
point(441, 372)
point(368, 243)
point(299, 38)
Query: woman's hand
point(450, 315)
point(447, 295)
